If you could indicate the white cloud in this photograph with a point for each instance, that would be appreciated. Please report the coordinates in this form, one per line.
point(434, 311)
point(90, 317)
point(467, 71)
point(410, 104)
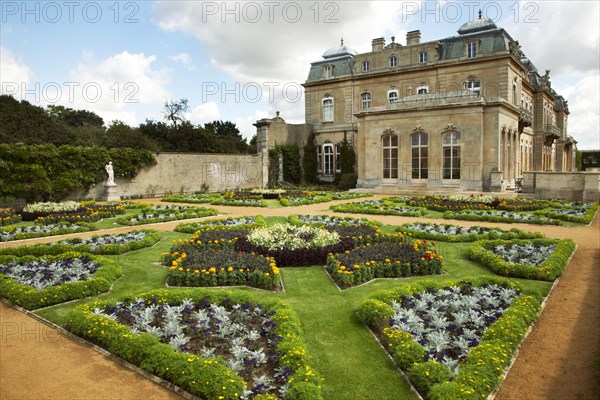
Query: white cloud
point(14, 73)
point(282, 41)
point(584, 120)
point(244, 124)
point(116, 87)
point(557, 35)
point(185, 59)
point(204, 113)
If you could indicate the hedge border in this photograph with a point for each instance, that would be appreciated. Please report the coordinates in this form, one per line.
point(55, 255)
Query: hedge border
point(30, 298)
point(552, 268)
point(203, 377)
point(482, 371)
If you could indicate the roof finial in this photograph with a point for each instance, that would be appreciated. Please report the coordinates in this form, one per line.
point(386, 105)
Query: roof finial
point(342, 43)
point(480, 13)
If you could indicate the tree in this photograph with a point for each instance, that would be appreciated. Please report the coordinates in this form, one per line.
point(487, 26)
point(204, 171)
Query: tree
point(75, 118)
point(174, 110)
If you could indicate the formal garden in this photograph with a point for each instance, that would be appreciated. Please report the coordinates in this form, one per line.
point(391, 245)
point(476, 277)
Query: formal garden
point(296, 306)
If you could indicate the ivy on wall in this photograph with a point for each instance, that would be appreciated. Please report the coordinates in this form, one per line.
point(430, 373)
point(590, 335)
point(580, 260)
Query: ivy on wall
point(47, 172)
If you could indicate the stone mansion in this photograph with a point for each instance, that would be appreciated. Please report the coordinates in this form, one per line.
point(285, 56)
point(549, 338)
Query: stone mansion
point(465, 113)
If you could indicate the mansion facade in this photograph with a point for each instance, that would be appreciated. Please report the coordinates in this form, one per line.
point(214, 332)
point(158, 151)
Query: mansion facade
point(465, 113)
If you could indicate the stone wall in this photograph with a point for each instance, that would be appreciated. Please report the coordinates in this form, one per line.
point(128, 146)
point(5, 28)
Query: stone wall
point(188, 173)
point(562, 185)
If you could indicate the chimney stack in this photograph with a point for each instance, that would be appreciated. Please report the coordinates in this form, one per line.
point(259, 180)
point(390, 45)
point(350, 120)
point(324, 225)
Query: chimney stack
point(378, 44)
point(413, 37)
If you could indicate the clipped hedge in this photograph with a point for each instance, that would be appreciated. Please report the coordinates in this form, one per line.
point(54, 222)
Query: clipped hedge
point(481, 371)
point(549, 270)
point(386, 208)
point(30, 298)
point(207, 378)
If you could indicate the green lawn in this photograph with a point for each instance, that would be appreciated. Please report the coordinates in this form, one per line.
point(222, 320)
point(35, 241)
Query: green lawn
point(344, 351)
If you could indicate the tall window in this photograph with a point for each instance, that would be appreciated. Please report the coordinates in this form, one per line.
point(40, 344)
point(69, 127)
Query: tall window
point(338, 159)
point(328, 162)
point(328, 110)
point(420, 155)
point(365, 101)
point(471, 50)
point(392, 96)
point(393, 61)
point(473, 86)
point(327, 71)
point(390, 156)
point(423, 57)
point(365, 66)
point(514, 89)
point(451, 152)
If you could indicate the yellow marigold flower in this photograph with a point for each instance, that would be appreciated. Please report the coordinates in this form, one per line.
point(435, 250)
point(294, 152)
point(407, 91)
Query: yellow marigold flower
point(267, 274)
point(180, 269)
point(229, 269)
point(212, 270)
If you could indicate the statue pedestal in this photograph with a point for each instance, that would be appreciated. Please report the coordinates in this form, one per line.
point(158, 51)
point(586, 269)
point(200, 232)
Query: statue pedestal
point(110, 192)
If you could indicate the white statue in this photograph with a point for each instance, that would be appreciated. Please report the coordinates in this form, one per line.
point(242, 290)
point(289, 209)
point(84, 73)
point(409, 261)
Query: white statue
point(111, 173)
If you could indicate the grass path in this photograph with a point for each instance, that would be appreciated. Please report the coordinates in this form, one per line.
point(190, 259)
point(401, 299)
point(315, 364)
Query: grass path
point(346, 354)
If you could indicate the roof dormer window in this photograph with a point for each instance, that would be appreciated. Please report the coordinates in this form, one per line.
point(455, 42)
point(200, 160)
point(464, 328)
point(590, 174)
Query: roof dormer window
point(471, 49)
point(327, 71)
point(393, 61)
point(365, 66)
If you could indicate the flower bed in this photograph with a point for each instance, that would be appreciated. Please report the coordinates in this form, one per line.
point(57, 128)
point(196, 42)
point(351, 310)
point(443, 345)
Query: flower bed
point(455, 233)
point(17, 232)
point(190, 198)
point(579, 213)
point(392, 257)
point(541, 259)
point(292, 245)
point(212, 345)
point(105, 244)
point(379, 207)
point(454, 340)
point(522, 204)
point(498, 216)
point(209, 259)
point(32, 282)
point(241, 222)
point(165, 214)
point(454, 203)
point(88, 212)
point(9, 216)
point(52, 207)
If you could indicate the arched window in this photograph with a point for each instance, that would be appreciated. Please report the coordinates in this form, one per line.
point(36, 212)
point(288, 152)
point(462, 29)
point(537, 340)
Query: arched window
point(328, 109)
point(389, 145)
point(451, 153)
point(393, 61)
point(420, 155)
point(392, 96)
point(514, 89)
point(365, 100)
point(474, 86)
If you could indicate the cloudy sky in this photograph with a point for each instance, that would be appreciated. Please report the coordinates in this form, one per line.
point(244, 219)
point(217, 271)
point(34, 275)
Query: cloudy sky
point(242, 61)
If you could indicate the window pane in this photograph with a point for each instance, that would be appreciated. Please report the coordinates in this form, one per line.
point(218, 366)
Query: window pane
point(394, 140)
point(424, 139)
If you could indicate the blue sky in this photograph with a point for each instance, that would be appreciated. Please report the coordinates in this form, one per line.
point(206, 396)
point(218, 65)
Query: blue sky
point(242, 61)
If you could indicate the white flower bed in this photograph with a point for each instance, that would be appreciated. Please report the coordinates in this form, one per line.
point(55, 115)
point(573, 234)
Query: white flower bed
point(291, 237)
point(529, 254)
point(52, 207)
